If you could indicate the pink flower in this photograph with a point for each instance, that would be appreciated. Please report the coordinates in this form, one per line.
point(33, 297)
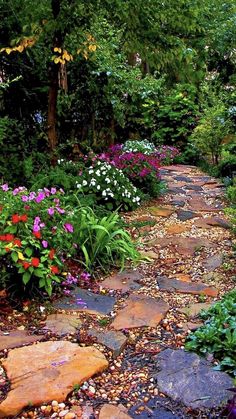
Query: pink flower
point(60, 210)
point(51, 211)
point(40, 197)
point(45, 244)
point(68, 228)
point(24, 198)
point(53, 191)
point(5, 187)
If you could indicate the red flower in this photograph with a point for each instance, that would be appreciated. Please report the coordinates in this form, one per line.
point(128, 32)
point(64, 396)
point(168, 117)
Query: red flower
point(27, 207)
point(26, 265)
point(35, 262)
point(17, 242)
point(15, 218)
point(54, 270)
point(37, 234)
point(1, 208)
point(52, 254)
point(7, 249)
point(9, 237)
point(24, 218)
point(3, 238)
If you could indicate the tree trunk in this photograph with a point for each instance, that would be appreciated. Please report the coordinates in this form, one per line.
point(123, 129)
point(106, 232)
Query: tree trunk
point(52, 107)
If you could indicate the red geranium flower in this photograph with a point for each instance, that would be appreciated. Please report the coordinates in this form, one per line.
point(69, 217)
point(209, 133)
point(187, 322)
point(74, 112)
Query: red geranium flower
point(26, 265)
point(9, 237)
point(3, 238)
point(37, 234)
point(54, 269)
point(1, 208)
point(7, 249)
point(17, 242)
point(15, 218)
point(24, 218)
point(35, 262)
point(27, 207)
point(52, 254)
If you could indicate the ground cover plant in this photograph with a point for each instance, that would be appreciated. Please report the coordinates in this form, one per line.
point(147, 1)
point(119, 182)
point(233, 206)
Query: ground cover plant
point(218, 335)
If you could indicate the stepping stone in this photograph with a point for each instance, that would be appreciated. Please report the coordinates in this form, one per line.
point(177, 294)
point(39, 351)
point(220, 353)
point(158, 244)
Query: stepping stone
point(86, 301)
point(193, 187)
point(210, 222)
point(109, 411)
point(115, 341)
point(183, 287)
point(213, 262)
point(16, 338)
point(123, 281)
point(183, 277)
point(178, 203)
point(177, 229)
point(191, 326)
point(140, 311)
point(186, 215)
point(176, 191)
point(191, 380)
point(149, 254)
point(161, 211)
point(154, 409)
point(197, 204)
point(194, 309)
point(183, 179)
point(186, 246)
point(178, 168)
point(62, 324)
point(47, 371)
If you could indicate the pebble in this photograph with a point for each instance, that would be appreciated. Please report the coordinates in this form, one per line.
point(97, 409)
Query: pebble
point(61, 405)
point(63, 413)
point(92, 389)
point(70, 415)
point(54, 403)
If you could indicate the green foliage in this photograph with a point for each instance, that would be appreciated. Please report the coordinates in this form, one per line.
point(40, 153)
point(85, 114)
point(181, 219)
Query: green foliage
point(218, 335)
point(139, 146)
point(102, 242)
point(227, 166)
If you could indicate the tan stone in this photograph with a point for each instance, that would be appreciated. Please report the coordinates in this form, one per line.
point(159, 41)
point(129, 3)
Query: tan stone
point(161, 211)
point(123, 281)
point(184, 245)
point(140, 311)
point(178, 168)
point(109, 411)
point(62, 324)
point(177, 229)
point(183, 277)
point(149, 254)
point(17, 338)
point(47, 371)
point(195, 288)
point(194, 309)
point(199, 204)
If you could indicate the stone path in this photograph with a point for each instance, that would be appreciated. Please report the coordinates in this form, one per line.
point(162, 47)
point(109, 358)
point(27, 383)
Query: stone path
point(131, 329)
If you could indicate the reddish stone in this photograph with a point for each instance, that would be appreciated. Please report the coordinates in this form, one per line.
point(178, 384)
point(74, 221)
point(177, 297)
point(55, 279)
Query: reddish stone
point(123, 281)
point(177, 229)
point(109, 411)
point(199, 204)
point(195, 288)
point(184, 245)
point(161, 211)
point(16, 338)
point(140, 311)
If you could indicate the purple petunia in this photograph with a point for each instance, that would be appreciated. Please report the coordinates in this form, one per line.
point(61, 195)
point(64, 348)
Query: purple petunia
point(68, 227)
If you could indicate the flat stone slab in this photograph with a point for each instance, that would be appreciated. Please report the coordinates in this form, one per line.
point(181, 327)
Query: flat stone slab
point(191, 380)
point(210, 222)
point(47, 371)
point(178, 168)
point(16, 338)
point(184, 245)
point(183, 287)
point(87, 301)
point(184, 179)
point(62, 324)
point(109, 411)
point(193, 310)
point(198, 204)
point(186, 215)
point(161, 211)
point(213, 262)
point(177, 229)
point(140, 311)
point(178, 203)
point(123, 281)
point(113, 340)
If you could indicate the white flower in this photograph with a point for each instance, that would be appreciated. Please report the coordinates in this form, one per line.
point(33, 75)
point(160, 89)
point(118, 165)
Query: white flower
point(98, 187)
point(107, 180)
point(84, 183)
point(78, 185)
point(115, 182)
point(90, 171)
point(104, 193)
point(98, 172)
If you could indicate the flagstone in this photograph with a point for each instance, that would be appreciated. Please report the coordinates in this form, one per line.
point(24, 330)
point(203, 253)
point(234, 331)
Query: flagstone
point(113, 340)
point(123, 281)
point(210, 222)
point(177, 229)
point(62, 324)
point(16, 338)
point(176, 285)
point(186, 215)
point(184, 245)
point(87, 301)
point(193, 310)
point(161, 211)
point(213, 262)
point(140, 311)
point(47, 371)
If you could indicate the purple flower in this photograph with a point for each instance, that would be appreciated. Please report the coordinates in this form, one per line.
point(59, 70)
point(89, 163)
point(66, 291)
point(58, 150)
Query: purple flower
point(37, 220)
point(24, 198)
point(5, 187)
point(85, 276)
point(40, 197)
point(68, 228)
point(36, 228)
point(60, 210)
point(53, 191)
point(45, 244)
point(51, 211)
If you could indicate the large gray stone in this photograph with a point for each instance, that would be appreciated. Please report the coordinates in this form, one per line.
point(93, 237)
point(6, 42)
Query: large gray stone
point(87, 301)
point(191, 380)
point(113, 340)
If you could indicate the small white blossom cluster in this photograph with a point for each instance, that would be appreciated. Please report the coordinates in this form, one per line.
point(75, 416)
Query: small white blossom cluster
point(110, 183)
point(139, 146)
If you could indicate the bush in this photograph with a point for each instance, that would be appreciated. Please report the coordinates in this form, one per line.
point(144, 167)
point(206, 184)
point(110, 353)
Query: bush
point(218, 335)
point(138, 146)
point(227, 166)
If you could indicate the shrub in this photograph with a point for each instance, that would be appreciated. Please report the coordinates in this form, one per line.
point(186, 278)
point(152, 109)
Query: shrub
point(109, 185)
point(138, 146)
point(227, 166)
point(218, 335)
